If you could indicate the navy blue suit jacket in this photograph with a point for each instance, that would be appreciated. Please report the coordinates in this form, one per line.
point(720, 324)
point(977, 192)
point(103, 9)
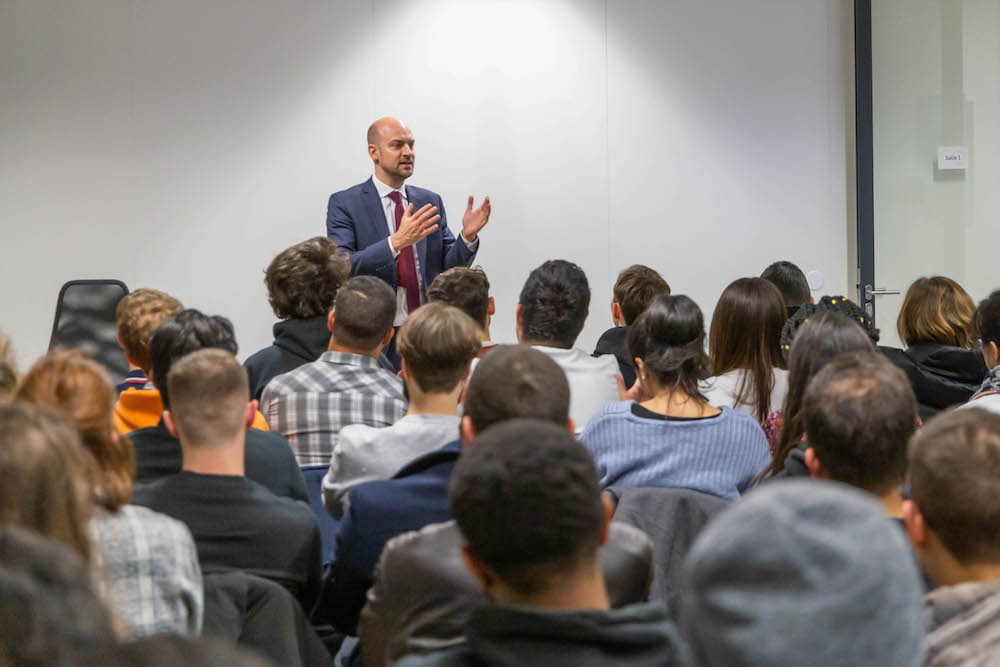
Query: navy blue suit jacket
point(355, 221)
point(414, 497)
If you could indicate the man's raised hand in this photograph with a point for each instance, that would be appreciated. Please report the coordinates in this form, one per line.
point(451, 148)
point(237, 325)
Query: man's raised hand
point(474, 220)
point(415, 226)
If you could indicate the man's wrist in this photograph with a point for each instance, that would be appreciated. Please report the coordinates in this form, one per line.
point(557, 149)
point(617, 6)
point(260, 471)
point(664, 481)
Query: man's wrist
point(392, 248)
point(469, 243)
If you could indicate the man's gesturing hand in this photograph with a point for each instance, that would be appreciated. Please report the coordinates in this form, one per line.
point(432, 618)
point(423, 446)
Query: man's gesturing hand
point(415, 226)
point(475, 220)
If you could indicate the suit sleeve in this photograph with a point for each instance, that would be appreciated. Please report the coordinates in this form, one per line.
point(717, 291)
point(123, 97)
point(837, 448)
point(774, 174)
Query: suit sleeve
point(454, 250)
point(348, 578)
point(375, 260)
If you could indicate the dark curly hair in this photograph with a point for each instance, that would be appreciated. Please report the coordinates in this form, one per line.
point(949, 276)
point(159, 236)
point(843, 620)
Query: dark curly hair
point(836, 304)
point(669, 338)
point(302, 281)
point(554, 303)
point(987, 319)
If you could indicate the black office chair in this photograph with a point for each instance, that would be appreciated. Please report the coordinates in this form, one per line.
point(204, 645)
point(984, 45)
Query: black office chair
point(85, 319)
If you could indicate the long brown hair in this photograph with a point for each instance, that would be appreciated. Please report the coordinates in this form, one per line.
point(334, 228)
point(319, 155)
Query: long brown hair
point(47, 484)
point(823, 336)
point(936, 310)
point(746, 334)
point(69, 382)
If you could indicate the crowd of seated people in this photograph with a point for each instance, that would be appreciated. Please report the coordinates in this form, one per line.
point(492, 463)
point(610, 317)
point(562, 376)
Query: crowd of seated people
point(482, 495)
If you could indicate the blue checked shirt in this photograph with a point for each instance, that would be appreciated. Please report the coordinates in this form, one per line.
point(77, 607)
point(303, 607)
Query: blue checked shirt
point(310, 404)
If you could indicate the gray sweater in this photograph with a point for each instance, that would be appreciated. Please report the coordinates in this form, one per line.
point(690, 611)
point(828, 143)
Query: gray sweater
point(963, 624)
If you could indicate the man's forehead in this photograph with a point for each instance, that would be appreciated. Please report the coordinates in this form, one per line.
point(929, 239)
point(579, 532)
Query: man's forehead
point(395, 131)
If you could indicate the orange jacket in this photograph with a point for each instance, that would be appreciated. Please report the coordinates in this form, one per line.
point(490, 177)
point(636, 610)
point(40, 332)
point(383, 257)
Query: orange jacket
point(139, 408)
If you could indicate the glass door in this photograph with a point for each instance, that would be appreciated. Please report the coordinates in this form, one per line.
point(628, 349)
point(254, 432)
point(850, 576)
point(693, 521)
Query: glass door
point(928, 98)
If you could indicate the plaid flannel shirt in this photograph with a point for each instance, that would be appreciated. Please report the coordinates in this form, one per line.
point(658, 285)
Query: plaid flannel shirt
point(310, 404)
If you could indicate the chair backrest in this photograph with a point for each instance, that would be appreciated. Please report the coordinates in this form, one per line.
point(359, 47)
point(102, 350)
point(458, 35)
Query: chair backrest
point(328, 527)
point(672, 518)
point(85, 319)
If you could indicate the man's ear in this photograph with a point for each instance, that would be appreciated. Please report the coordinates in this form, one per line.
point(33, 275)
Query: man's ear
point(491, 307)
point(571, 426)
point(373, 153)
point(467, 430)
point(609, 512)
point(616, 313)
point(387, 337)
point(482, 573)
point(916, 527)
point(814, 466)
point(404, 369)
point(168, 421)
point(251, 415)
point(329, 321)
point(991, 354)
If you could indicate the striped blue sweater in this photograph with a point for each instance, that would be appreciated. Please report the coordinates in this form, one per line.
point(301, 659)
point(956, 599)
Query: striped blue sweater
point(719, 455)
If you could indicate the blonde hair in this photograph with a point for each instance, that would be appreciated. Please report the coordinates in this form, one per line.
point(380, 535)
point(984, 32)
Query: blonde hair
point(936, 310)
point(139, 314)
point(438, 342)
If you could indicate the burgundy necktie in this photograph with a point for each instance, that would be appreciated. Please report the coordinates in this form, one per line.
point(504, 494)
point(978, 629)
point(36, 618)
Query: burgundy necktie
point(406, 266)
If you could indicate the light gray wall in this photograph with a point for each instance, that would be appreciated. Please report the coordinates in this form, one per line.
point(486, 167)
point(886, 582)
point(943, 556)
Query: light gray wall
point(181, 145)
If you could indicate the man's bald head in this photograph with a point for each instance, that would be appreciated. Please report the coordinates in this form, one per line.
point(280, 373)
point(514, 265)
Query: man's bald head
point(375, 130)
point(390, 146)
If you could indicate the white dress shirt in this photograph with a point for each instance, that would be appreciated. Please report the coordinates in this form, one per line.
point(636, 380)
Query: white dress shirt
point(389, 208)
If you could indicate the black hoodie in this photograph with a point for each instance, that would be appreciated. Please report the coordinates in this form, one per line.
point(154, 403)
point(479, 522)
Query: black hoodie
point(941, 375)
point(296, 342)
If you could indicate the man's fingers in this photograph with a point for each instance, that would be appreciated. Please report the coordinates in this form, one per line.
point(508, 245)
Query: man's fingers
point(425, 213)
point(427, 232)
point(424, 224)
point(471, 201)
point(409, 209)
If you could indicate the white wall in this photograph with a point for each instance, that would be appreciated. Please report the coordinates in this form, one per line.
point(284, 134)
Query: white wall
point(181, 145)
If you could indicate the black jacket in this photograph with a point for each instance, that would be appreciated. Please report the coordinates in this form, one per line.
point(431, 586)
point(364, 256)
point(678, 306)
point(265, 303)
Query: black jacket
point(612, 341)
point(296, 342)
point(941, 375)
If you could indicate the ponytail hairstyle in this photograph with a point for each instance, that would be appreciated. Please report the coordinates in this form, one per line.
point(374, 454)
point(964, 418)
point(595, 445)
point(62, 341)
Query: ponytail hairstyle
point(746, 334)
point(669, 338)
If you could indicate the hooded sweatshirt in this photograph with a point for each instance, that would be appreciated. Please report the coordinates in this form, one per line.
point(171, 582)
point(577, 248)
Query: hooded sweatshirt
point(296, 342)
point(941, 375)
point(638, 634)
point(963, 624)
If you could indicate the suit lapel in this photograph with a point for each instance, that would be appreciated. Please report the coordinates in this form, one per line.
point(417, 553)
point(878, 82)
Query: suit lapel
point(373, 206)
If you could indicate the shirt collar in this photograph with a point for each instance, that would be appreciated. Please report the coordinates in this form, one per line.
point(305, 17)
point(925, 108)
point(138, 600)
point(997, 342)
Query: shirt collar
point(384, 190)
point(349, 359)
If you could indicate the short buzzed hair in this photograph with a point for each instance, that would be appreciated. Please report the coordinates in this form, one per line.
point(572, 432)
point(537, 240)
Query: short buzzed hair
point(790, 281)
point(859, 412)
point(139, 313)
point(363, 312)
point(466, 289)
point(438, 343)
point(526, 499)
point(636, 288)
point(954, 468)
point(209, 394)
point(516, 381)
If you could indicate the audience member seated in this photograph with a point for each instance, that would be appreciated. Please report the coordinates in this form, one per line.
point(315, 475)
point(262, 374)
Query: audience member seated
point(674, 438)
point(8, 368)
point(147, 561)
point(49, 611)
point(167, 651)
point(510, 382)
point(954, 524)
point(469, 291)
point(529, 508)
point(744, 344)
point(237, 523)
point(550, 314)
point(828, 328)
point(987, 327)
point(269, 460)
point(302, 282)
point(635, 288)
point(139, 313)
point(46, 483)
point(935, 324)
point(346, 385)
point(436, 343)
point(791, 282)
point(802, 572)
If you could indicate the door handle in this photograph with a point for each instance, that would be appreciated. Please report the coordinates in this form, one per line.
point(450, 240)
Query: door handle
point(871, 292)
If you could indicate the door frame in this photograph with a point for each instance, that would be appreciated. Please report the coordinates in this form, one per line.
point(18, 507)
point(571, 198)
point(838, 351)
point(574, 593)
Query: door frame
point(864, 152)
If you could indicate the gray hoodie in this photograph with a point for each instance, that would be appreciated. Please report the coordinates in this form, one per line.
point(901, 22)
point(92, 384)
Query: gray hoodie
point(963, 624)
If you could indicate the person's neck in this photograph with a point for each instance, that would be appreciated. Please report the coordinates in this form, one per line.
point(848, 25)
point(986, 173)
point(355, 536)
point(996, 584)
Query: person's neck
point(422, 403)
point(217, 458)
point(952, 573)
point(394, 182)
point(573, 591)
point(678, 404)
point(334, 347)
point(892, 503)
point(542, 343)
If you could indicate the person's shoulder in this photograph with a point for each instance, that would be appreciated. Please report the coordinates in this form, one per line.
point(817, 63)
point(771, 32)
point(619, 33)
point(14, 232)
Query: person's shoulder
point(359, 435)
point(148, 493)
point(263, 357)
point(740, 418)
point(416, 192)
point(353, 191)
point(267, 440)
point(609, 413)
point(278, 505)
point(158, 527)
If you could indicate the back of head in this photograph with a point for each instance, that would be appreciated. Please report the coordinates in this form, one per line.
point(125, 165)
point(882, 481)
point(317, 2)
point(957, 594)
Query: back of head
point(746, 334)
point(209, 394)
point(669, 338)
point(363, 313)
point(635, 289)
point(516, 381)
point(8, 366)
point(790, 281)
point(936, 310)
point(987, 319)
point(820, 338)
point(438, 343)
point(302, 281)
point(48, 609)
point(859, 412)
point(834, 304)
point(526, 499)
point(466, 289)
point(139, 314)
point(554, 303)
point(803, 572)
point(47, 482)
point(70, 383)
point(186, 332)
point(954, 468)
